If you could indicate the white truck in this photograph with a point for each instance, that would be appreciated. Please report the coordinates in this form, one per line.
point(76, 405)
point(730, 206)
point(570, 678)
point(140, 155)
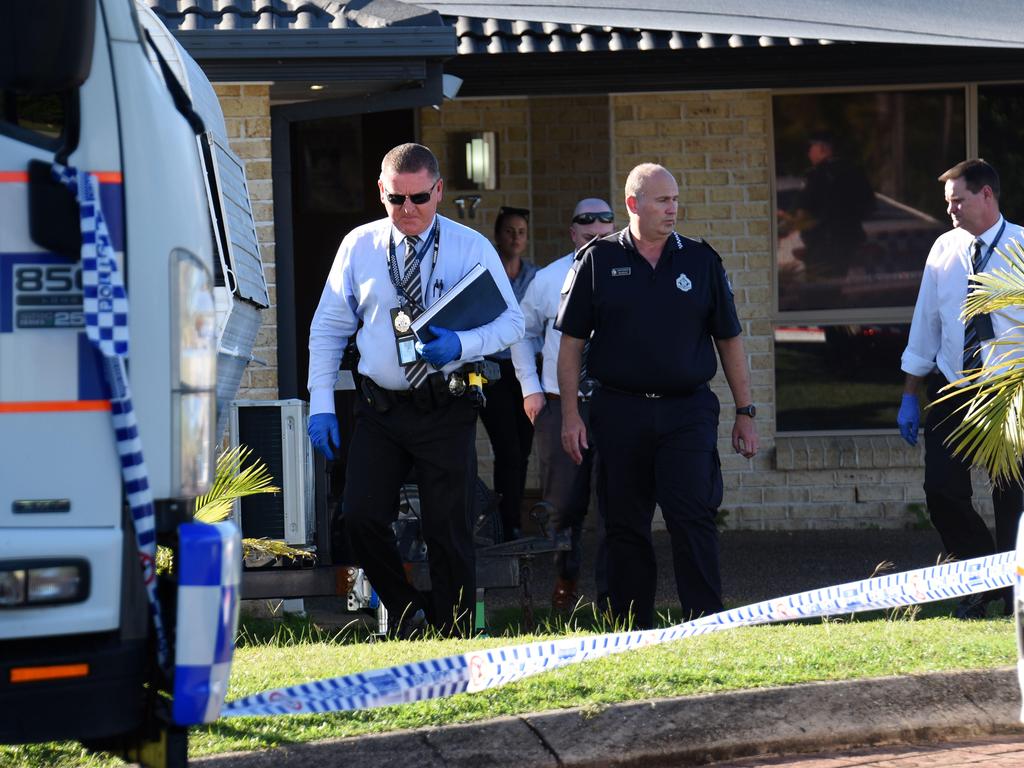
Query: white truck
point(110, 404)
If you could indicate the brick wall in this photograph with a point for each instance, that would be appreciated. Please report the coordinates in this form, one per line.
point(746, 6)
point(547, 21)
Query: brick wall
point(510, 120)
point(570, 149)
point(247, 115)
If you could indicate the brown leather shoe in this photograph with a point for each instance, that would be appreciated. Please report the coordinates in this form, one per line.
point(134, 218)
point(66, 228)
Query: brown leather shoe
point(564, 598)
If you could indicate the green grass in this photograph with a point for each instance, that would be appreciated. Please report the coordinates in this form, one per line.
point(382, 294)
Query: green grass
point(754, 657)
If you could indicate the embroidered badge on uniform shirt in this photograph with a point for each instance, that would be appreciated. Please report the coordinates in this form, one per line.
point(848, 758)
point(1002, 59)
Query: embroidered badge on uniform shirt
point(683, 282)
point(621, 271)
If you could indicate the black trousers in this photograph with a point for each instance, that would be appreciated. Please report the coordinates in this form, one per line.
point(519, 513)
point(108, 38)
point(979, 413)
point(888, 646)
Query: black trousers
point(948, 491)
point(439, 444)
point(511, 435)
point(660, 451)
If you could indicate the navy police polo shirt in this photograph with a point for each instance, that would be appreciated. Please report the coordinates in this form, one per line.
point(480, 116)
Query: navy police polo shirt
point(653, 327)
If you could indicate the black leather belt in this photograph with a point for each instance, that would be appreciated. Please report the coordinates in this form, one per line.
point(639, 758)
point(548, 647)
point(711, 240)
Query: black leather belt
point(437, 390)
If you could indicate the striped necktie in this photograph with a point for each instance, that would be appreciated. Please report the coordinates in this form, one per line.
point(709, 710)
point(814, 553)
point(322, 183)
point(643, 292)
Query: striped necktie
point(972, 340)
point(414, 372)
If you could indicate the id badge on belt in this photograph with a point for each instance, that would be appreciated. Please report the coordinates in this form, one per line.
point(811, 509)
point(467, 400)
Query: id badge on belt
point(405, 339)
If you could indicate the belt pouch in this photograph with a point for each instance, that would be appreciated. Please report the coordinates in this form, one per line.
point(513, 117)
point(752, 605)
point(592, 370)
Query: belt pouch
point(375, 397)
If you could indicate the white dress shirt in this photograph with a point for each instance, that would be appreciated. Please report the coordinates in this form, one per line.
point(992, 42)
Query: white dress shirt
point(937, 333)
point(360, 288)
point(540, 307)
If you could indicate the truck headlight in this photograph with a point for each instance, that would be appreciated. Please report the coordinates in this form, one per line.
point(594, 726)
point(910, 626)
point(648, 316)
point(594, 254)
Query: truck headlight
point(194, 402)
point(43, 583)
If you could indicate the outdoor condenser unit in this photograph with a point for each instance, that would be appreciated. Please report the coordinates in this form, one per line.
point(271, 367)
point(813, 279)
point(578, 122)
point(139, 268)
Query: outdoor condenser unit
point(275, 430)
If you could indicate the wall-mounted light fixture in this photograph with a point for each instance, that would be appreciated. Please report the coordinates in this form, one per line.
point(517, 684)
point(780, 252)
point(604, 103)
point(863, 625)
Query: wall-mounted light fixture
point(467, 204)
point(474, 158)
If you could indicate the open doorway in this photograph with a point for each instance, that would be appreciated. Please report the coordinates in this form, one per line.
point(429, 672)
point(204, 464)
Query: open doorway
point(335, 162)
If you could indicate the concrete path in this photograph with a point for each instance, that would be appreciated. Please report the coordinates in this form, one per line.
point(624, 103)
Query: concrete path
point(695, 730)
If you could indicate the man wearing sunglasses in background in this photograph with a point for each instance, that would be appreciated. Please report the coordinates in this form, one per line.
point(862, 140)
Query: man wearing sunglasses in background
point(413, 413)
point(564, 485)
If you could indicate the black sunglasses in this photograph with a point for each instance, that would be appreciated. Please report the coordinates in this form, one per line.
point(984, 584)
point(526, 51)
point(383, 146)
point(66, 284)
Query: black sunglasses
point(605, 217)
point(418, 199)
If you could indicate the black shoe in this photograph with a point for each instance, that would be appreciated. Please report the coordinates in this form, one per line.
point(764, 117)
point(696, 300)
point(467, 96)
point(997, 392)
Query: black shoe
point(970, 607)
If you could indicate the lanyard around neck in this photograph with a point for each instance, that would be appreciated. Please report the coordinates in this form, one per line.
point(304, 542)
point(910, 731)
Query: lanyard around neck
point(402, 285)
point(988, 253)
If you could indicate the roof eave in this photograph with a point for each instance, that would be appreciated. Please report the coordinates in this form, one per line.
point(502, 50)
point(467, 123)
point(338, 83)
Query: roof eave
point(355, 43)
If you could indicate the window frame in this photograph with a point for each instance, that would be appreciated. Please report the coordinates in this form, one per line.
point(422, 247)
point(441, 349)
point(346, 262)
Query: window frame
point(858, 316)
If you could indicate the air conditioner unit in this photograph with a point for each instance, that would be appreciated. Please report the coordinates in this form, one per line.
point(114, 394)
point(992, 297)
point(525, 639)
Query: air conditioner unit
point(275, 430)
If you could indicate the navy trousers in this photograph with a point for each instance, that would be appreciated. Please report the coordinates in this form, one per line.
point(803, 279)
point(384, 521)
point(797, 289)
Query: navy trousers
point(660, 451)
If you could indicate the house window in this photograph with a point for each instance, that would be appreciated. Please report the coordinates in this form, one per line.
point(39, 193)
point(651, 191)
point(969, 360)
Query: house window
point(857, 209)
point(1001, 141)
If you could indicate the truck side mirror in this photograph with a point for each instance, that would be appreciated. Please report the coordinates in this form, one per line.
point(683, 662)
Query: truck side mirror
point(46, 45)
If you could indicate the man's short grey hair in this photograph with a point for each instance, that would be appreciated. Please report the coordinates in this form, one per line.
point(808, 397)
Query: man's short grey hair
point(410, 158)
point(639, 175)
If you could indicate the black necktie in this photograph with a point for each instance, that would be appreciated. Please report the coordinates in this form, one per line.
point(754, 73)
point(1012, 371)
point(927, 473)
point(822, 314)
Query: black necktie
point(972, 341)
point(415, 372)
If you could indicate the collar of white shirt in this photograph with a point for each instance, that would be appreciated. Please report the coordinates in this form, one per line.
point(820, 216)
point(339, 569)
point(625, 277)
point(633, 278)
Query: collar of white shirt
point(990, 234)
point(397, 236)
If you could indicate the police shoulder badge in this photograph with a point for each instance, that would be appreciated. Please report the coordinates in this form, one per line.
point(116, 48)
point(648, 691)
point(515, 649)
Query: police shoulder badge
point(683, 282)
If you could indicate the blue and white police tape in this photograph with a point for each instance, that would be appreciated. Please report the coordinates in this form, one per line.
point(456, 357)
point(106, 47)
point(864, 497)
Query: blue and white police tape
point(209, 577)
point(480, 670)
point(105, 302)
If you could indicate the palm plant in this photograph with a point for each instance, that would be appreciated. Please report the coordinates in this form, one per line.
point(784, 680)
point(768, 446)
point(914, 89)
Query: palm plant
point(992, 432)
point(232, 480)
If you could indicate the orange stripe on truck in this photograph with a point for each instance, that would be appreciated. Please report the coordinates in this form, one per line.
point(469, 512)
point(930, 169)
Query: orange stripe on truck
point(21, 177)
point(35, 674)
point(55, 406)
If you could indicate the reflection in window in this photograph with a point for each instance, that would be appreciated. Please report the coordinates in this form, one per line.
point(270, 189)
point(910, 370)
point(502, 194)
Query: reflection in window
point(1001, 142)
point(838, 377)
point(858, 203)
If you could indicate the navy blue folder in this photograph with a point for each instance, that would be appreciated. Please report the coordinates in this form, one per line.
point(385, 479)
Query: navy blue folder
point(473, 301)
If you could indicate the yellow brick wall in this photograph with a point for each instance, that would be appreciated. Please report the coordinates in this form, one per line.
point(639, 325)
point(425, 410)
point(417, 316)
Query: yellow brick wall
point(510, 119)
point(570, 148)
point(247, 115)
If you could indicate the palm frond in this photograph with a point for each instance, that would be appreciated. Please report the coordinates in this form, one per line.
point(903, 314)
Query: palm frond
point(273, 548)
point(991, 434)
point(998, 289)
point(231, 482)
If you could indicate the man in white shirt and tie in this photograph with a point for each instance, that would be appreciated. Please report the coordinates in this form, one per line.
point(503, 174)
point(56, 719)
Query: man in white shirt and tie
point(414, 412)
point(564, 485)
point(941, 348)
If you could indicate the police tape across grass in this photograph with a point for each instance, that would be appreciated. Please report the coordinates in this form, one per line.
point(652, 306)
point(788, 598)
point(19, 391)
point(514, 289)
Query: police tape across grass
point(750, 657)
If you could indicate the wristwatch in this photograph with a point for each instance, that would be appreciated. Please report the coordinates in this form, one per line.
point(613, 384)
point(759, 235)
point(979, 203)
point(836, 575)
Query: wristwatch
point(747, 410)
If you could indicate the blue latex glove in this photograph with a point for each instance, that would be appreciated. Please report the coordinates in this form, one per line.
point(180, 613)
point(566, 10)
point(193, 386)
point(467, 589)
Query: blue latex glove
point(324, 432)
point(909, 418)
point(442, 350)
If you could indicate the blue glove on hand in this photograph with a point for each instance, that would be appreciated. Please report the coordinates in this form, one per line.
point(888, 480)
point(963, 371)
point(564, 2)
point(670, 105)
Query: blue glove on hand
point(909, 418)
point(323, 432)
point(445, 348)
